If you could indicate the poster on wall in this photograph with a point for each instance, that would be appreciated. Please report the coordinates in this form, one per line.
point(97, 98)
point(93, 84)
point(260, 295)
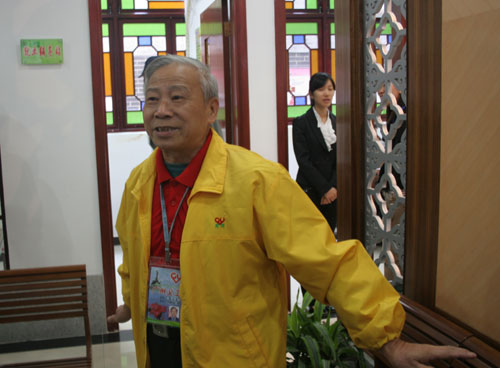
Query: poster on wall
point(42, 51)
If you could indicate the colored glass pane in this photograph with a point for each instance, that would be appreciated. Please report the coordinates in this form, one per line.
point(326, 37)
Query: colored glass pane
point(108, 102)
point(332, 4)
point(332, 28)
point(312, 41)
point(134, 117)
point(166, 4)
point(299, 4)
point(144, 29)
point(294, 111)
point(288, 4)
point(301, 28)
point(298, 39)
point(144, 41)
point(333, 73)
point(109, 118)
point(129, 73)
point(107, 74)
point(180, 29)
point(312, 4)
point(151, 4)
point(159, 43)
point(127, 4)
point(314, 61)
point(180, 43)
point(104, 4)
point(300, 101)
point(105, 30)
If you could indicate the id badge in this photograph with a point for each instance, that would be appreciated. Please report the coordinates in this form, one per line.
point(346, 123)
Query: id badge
point(164, 301)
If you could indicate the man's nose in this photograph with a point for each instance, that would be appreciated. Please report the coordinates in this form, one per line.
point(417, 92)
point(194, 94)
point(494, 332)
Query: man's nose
point(164, 109)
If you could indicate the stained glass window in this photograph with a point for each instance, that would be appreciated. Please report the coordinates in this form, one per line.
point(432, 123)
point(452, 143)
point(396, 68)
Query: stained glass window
point(180, 38)
point(302, 4)
point(307, 49)
point(107, 74)
point(151, 4)
point(129, 38)
point(140, 41)
point(302, 50)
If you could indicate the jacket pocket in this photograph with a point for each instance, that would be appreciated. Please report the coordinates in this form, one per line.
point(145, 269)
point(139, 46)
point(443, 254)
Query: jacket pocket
point(252, 343)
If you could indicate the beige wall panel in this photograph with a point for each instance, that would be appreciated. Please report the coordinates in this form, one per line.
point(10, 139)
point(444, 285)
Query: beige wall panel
point(468, 275)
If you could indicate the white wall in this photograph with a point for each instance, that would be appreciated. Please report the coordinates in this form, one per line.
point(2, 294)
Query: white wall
point(262, 78)
point(126, 151)
point(47, 139)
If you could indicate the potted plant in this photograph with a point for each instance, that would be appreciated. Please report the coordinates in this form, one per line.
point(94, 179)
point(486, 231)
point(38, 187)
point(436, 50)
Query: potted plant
point(314, 341)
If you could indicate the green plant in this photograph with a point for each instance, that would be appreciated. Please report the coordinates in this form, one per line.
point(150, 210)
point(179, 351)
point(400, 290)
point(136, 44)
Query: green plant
point(316, 342)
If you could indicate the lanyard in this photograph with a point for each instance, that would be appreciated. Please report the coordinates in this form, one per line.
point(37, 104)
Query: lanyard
point(167, 233)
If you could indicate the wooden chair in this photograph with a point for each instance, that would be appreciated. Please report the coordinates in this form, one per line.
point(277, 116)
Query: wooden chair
point(426, 326)
point(38, 294)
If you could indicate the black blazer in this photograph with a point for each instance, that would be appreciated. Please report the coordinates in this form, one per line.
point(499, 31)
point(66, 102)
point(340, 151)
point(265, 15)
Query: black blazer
point(317, 166)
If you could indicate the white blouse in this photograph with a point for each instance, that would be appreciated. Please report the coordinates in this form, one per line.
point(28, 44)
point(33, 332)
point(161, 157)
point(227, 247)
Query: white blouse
point(327, 130)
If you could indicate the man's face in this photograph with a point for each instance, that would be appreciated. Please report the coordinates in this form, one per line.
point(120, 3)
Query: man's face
point(176, 116)
point(173, 312)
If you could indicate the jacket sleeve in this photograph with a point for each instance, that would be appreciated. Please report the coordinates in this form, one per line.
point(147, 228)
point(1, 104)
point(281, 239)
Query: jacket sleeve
point(124, 236)
point(342, 274)
point(302, 149)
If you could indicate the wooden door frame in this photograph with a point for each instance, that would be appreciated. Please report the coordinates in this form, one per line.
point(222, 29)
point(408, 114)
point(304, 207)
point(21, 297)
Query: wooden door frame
point(423, 135)
point(101, 146)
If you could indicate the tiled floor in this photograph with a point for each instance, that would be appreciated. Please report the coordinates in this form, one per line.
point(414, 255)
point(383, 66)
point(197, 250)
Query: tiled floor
point(106, 355)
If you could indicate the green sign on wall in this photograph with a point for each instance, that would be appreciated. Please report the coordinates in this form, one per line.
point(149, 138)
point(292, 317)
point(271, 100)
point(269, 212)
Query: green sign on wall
point(42, 51)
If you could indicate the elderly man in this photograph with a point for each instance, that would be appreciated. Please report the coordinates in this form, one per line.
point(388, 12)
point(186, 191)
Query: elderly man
point(235, 223)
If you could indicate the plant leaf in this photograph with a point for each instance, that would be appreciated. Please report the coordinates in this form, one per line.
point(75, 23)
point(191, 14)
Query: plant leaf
point(312, 350)
point(318, 310)
point(306, 300)
point(293, 323)
point(324, 339)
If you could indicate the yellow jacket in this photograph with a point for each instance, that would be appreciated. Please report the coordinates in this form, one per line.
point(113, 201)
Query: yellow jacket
point(233, 288)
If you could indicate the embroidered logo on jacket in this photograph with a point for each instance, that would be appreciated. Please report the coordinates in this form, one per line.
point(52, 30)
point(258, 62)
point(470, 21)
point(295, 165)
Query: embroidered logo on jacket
point(219, 222)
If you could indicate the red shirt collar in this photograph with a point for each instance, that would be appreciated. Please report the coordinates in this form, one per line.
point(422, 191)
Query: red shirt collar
point(190, 173)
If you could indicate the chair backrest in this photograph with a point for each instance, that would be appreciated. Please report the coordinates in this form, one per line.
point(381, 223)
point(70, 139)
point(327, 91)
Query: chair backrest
point(37, 294)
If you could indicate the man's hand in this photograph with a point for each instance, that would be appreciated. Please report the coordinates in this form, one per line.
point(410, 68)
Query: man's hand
point(329, 196)
point(121, 315)
point(401, 354)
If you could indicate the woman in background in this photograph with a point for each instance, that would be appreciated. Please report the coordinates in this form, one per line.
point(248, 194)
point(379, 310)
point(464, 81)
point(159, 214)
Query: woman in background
point(315, 146)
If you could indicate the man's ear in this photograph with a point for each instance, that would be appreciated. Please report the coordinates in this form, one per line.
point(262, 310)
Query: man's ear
point(213, 109)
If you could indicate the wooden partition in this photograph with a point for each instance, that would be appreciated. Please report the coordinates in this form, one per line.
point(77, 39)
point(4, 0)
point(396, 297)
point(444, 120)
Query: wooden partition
point(468, 271)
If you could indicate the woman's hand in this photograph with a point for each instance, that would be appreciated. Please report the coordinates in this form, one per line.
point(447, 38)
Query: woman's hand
point(329, 196)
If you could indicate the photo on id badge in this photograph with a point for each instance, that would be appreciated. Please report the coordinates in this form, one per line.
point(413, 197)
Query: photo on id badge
point(163, 298)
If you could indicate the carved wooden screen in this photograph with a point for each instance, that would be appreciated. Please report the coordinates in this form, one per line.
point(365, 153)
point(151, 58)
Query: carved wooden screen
point(385, 140)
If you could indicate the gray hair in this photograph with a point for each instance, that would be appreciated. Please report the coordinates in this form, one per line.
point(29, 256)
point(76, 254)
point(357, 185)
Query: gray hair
point(207, 80)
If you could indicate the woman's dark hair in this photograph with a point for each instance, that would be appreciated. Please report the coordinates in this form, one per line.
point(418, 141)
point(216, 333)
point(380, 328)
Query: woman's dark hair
point(317, 81)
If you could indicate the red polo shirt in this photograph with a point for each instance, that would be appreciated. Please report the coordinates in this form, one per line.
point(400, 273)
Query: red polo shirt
point(173, 190)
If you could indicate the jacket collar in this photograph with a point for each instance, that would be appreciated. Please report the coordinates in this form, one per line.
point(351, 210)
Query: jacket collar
point(147, 176)
point(311, 117)
point(213, 170)
point(210, 179)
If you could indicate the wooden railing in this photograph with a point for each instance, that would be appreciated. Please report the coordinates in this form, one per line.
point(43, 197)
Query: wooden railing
point(428, 327)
